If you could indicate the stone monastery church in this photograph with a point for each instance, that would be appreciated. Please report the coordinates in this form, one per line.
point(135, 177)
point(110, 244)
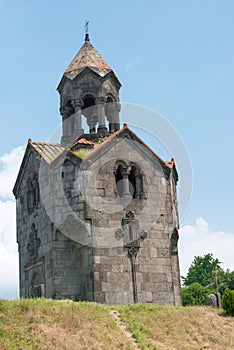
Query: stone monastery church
point(97, 215)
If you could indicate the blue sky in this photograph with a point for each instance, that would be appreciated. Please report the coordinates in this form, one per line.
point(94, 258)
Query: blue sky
point(175, 57)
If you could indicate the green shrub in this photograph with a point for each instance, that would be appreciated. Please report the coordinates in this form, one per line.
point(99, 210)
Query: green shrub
point(230, 279)
point(228, 301)
point(195, 294)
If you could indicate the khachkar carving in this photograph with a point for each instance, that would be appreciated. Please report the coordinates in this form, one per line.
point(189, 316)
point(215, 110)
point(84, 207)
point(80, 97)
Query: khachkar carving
point(129, 231)
point(132, 237)
point(34, 243)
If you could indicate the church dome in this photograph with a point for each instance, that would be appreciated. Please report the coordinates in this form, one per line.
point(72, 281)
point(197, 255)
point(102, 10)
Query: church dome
point(87, 56)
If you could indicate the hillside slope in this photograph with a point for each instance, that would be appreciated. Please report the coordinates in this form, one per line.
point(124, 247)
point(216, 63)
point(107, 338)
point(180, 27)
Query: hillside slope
point(49, 324)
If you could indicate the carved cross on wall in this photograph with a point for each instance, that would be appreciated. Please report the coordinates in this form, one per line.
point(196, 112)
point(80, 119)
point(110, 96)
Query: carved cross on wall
point(33, 243)
point(132, 237)
point(129, 230)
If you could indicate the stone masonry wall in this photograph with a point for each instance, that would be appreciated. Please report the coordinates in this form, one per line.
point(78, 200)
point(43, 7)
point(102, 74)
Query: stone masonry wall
point(87, 243)
point(157, 277)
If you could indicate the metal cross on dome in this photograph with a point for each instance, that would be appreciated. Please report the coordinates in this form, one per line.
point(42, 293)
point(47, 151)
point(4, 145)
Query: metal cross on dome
point(86, 26)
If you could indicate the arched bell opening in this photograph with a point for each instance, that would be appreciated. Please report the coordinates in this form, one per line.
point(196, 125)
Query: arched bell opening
point(69, 109)
point(89, 101)
point(89, 110)
point(112, 114)
point(68, 113)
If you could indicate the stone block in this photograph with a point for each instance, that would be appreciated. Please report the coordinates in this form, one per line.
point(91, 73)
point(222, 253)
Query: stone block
point(96, 276)
point(99, 297)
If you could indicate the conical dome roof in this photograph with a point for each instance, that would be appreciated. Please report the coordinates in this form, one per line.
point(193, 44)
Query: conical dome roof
point(87, 56)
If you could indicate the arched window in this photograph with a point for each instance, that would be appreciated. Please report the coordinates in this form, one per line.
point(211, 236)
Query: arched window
point(36, 192)
point(174, 242)
point(132, 182)
point(30, 205)
point(135, 182)
point(128, 180)
point(33, 194)
point(119, 180)
point(109, 99)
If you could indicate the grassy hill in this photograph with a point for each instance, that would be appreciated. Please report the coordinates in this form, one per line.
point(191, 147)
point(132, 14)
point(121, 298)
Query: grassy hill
point(49, 324)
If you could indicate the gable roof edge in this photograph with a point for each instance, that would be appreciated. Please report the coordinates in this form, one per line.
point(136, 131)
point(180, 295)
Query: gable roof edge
point(22, 167)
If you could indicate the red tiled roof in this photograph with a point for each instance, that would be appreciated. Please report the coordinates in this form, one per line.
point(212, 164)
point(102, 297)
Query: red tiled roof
point(83, 141)
point(87, 56)
point(169, 164)
point(48, 151)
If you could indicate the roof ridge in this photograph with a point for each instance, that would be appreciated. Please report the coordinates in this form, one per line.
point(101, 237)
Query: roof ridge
point(169, 164)
point(46, 143)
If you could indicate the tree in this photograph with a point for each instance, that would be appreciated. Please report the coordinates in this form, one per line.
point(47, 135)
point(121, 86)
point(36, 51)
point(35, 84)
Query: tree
point(229, 278)
point(228, 301)
point(194, 294)
point(202, 271)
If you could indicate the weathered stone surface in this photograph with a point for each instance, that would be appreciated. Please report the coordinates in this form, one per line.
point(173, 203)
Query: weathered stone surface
point(211, 300)
point(104, 228)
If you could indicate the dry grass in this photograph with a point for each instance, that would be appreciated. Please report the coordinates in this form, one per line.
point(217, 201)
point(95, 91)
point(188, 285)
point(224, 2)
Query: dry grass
point(46, 324)
point(49, 324)
point(179, 328)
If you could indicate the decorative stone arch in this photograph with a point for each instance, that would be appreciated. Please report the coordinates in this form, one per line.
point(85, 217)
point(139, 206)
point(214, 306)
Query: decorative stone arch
point(66, 162)
point(110, 98)
point(37, 286)
point(67, 107)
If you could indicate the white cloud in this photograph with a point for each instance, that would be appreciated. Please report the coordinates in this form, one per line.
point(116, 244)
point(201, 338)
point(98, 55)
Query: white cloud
point(8, 225)
point(8, 273)
point(8, 251)
point(10, 163)
point(200, 239)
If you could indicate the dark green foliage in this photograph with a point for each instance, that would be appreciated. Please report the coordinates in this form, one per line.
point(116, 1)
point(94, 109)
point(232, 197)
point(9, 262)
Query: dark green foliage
point(202, 271)
point(225, 281)
point(195, 294)
point(229, 277)
point(228, 301)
